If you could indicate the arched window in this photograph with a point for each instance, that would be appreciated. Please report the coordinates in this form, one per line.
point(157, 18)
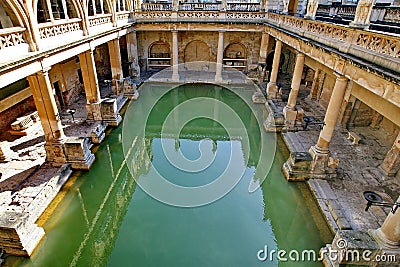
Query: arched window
point(58, 9)
point(8, 18)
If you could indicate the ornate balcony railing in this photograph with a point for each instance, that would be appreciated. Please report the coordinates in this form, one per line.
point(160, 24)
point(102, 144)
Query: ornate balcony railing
point(346, 11)
point(99, 20)
point(372, 46)
point(10, 37)
point(123, 15)
point(247, 7)
point(156, 6)
point(392, 14)
point(200, 6)
point(59, 27)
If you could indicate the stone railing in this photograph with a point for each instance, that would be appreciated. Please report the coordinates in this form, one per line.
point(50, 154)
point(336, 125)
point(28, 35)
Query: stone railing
point(252, 7)
point(346, 11)
point(392, 14)
point(375, 47)
point(156, 6)
point(11, 37)
point(99, 20)
point(123, 15)
point(324, 10)
point(200, 6)
point(59, 27)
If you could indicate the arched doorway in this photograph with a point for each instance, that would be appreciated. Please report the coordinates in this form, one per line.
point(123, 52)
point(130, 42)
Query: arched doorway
point(235, 56)
point(159, 55)
point(197, 51)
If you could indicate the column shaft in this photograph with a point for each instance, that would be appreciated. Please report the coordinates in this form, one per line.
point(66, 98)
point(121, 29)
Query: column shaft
point(131, 42)
point(332, 113)
point(175, 61)
point(264, 48)
point(296, 80)
point(220, 56)
point(315, 85)
point(391, 163)
point(271, 87)
point(46, 106)
point(115, 59)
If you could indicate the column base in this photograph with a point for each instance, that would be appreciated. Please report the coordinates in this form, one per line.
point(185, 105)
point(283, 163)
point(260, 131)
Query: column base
point(382, 240)
point(98, 132)
point(275, 120)
point(292, 115)
point(77, 150)
point(55, 153)
point(272, 90)
point(297, 167)
point(258, 98)
point(175, 77)
point(93, 111)
point(109, 112)
point(322, 163)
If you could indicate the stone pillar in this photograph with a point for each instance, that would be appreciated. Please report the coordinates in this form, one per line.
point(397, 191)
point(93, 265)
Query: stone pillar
point(272, 90)
point(389, 233)
point(363, 14)
point(312, 7)
point(290, 112)
point(391, 163)
point(320, 152)
point(315, 85)
point(354, 111)
point(90, 85)
point(49, 117)
point(175, 5)
point(224, 5)
point(264, 48)
point(220, 56)
point(175, 61)
point(132, 44)
point(115, 59)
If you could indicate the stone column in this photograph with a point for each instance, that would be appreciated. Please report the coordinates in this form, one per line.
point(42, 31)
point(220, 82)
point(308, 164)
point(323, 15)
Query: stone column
point(389, 233)
point(115, 59)
point(272, 90)
point(353, 114)
point(175, 61)
point(224, 5)
point(132, 44)
point(220, 56)
point(363, 14)
point(312, 7)
point(90, 85)
point(315, 85)
point(320, 152)
point(175, 5)
point(391, 163)
point(290, 111)
point(49, 117)
point(263, 48)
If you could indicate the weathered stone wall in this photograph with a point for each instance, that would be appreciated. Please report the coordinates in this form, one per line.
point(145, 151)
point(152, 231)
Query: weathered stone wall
point(19, 109)
point(364, 115)
point(327, 88)
point(146, 39)
point(102, 61)
point(67, 76)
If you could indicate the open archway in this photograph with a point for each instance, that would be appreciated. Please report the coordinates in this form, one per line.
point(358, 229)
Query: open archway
point(235, 56)
point(159, 55)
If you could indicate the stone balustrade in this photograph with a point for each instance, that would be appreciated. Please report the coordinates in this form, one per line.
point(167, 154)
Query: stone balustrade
point(59, 27)
point(246, 7)
point(10, 37)
point(379, 48)
point(200, 6)
point(156, 6)
point(99, 20)
point(123, 15)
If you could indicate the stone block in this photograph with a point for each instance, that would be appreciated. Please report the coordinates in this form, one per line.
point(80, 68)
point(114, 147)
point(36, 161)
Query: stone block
point(98, 132)
point(109, 112)
point(258, 98)
point(77, 150)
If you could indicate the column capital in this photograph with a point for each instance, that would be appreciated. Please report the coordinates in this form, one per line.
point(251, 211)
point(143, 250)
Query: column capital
point(300, 54)
point(221, 31)
point(44, 70)
point(340, 76)
point(174, 31)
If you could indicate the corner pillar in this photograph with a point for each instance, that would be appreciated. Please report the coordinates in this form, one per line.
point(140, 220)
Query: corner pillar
point(115, 59)
point(175, 61)
point(363, 14)
point(320, 152)
point(290, 112)
point(272, 89)
point(133, 59)
point(220, 55)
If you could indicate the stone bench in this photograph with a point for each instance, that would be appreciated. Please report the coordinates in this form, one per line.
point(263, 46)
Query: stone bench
point(355, 137)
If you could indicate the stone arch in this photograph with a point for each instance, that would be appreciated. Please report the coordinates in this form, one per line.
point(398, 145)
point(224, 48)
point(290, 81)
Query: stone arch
point(12, 16)
point(196, 51)
point(159, 49)
point(236, 51)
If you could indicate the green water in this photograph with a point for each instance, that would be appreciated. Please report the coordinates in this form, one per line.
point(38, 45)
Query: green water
point(106, 219)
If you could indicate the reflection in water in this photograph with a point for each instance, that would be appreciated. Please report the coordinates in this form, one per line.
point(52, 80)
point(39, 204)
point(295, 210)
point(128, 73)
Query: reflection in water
point(105, 219)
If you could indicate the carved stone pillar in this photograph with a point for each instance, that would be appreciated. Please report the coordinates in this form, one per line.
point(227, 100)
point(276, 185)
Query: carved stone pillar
point(175, 62)
point(220, 55)
point(389, 233)
point(312, 7)
point(363, 14)
point(175, 5)
point(320, 152)
point(290, 112)
point(115, 59)
point(90, 85)
point(132, 44)
point(272, 90)
point(264, 48)
point(391, 163)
